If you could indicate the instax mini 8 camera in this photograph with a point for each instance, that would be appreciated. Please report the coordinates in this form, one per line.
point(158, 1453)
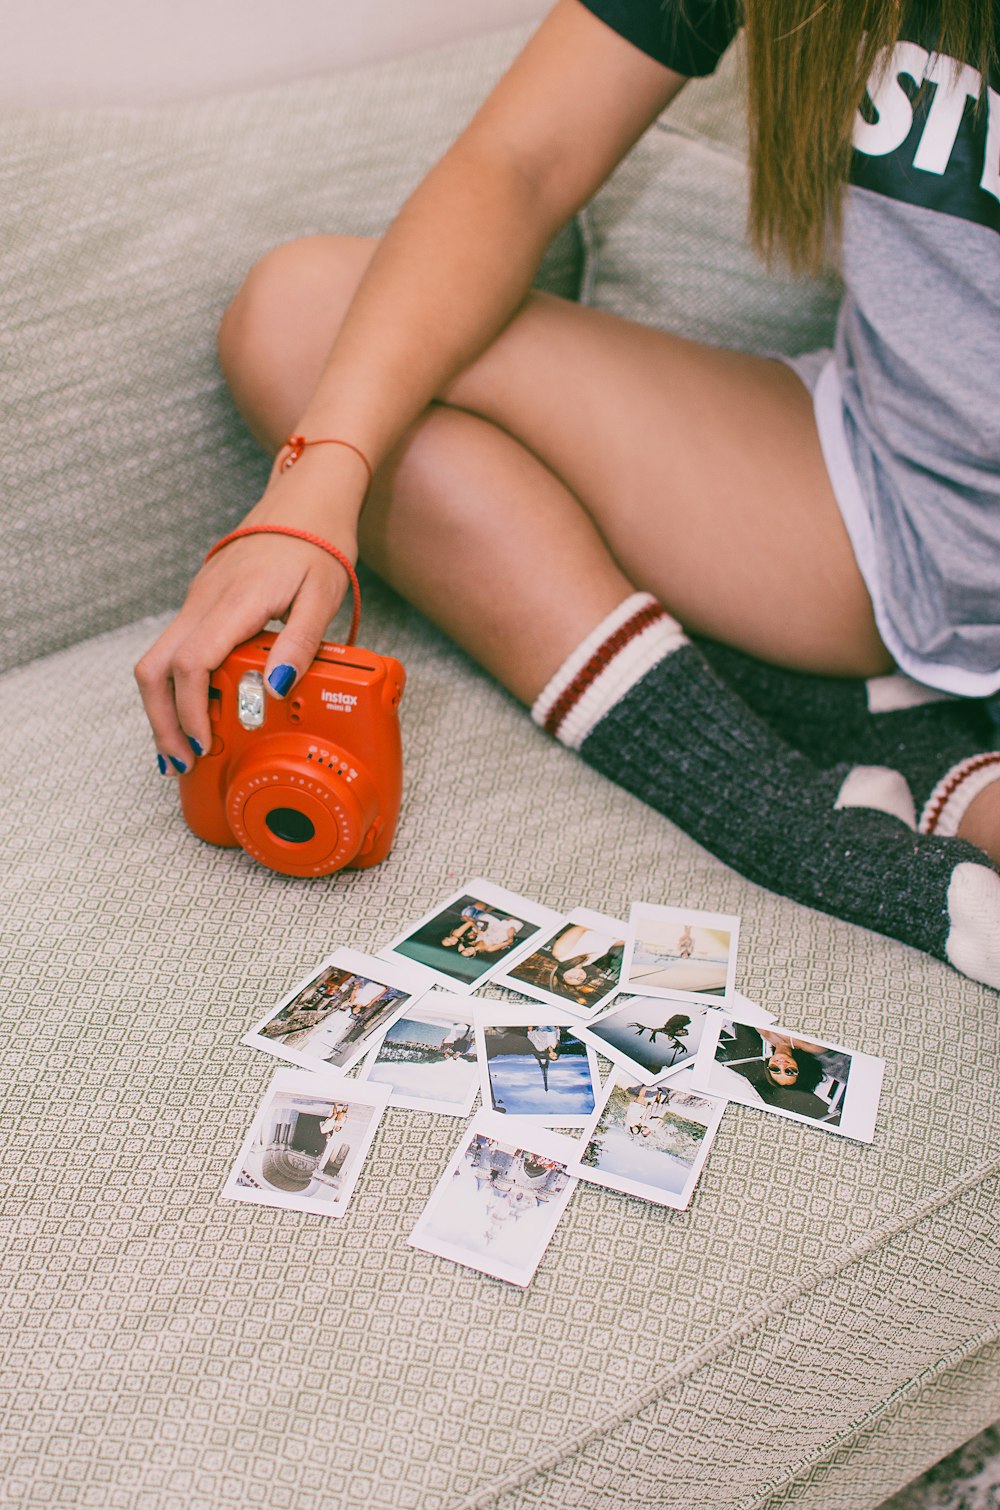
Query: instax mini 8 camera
point(310, 783)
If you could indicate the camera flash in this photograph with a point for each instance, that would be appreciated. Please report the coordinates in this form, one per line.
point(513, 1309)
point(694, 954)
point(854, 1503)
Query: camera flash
point(250, 701)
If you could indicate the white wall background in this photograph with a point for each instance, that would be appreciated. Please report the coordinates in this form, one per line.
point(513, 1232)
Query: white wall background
point(133, 52)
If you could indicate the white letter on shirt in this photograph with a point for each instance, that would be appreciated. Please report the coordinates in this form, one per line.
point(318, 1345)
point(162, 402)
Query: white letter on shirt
point(954, 87)
point(892, 107)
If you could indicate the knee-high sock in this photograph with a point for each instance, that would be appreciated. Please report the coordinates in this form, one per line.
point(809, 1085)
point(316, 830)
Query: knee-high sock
point(642, 705)
point(944, 747)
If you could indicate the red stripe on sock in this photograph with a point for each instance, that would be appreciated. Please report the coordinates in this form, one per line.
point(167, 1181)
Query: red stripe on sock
point(945, 795)
point(601, 658)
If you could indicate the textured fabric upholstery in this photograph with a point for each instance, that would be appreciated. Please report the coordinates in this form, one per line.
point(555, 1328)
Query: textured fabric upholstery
point(126, 232)
point(816, 1329)
point(667, 240)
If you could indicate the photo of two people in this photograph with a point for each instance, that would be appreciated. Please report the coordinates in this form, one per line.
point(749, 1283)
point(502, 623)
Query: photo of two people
point(465, 939)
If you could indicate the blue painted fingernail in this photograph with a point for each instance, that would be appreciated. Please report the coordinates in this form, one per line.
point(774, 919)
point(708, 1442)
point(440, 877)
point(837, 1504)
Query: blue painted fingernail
point(178, 765)
point(281, 679)
point(162, 765)
point(196, 747)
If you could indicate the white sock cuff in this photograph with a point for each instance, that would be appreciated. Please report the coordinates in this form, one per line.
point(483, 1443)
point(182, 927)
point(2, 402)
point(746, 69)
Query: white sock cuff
point(603, 667)
point(950, 800)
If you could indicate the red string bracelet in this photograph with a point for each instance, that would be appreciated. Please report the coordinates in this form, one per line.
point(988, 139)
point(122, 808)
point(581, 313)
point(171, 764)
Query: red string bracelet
point(287, 529)
point(296, 444)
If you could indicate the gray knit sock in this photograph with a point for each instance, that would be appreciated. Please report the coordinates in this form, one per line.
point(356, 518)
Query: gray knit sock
point(944, 747)
point(642, 705)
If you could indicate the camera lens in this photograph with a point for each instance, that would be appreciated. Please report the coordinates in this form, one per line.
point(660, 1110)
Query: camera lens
point(289, 824)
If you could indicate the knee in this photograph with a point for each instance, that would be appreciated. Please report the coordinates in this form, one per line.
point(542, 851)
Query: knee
point(276, 332)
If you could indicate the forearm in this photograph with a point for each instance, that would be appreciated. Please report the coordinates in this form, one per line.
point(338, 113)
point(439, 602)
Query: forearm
point(452, 269)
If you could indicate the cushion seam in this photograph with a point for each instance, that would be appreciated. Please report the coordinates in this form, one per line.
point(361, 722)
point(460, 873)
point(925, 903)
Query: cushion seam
point(735, 1333)
point(916, 1382)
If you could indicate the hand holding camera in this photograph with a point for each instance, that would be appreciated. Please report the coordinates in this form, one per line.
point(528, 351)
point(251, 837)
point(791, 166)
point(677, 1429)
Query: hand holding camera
point(308, 784)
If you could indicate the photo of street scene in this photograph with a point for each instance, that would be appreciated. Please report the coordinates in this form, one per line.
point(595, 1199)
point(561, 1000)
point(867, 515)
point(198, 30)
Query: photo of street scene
point(332, 1016)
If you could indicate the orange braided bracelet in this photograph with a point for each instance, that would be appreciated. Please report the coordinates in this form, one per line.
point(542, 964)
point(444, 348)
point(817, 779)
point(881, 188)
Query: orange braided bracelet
point(296, 444)
point(287, 529)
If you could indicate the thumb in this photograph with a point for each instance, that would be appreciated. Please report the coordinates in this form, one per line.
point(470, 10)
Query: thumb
point(296, 645)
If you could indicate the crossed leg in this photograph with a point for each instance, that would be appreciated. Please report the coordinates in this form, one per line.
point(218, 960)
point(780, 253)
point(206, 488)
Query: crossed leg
point(579, 459)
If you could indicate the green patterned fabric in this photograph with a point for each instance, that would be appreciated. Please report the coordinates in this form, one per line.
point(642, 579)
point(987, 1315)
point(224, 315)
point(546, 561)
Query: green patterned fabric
point(817, 1328)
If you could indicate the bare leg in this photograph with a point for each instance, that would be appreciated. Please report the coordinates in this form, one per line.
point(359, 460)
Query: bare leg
point(700, 469)
point(699, 473)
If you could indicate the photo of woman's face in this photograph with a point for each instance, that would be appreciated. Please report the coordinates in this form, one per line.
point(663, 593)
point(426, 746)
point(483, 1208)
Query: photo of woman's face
point(782, 1069)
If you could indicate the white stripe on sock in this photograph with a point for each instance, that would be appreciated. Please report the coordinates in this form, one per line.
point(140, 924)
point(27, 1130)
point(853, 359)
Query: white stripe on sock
point(889, 694)
point(618, 677)
point(575, 662)
point(950, 800)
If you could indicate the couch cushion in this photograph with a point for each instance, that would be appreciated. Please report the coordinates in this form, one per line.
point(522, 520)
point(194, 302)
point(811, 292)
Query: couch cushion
point(126, 233)
point(174, 1350)
point(667, 241)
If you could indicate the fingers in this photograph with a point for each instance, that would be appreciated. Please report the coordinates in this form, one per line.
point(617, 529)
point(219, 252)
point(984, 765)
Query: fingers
point(230, 601)
point(294, 650)
point(154, 677)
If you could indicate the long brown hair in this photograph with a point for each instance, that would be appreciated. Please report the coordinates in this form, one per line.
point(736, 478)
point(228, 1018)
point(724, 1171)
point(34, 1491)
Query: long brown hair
point(808, 64)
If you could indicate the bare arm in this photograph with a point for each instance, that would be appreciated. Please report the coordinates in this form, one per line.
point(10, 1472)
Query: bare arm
point(451, 271)
point(461, 255)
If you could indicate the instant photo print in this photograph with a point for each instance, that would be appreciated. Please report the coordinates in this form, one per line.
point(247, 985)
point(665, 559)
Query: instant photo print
point(680, 953)
point(427, 1058)
point(538, 1070)
point(472, 936)
point(650, 1141)
point(791, 1074)
point(576, 967)
point(499, 1202)
point(332, 1016)
point(653, 1038)
point(308, 1142)
point(647, 1036)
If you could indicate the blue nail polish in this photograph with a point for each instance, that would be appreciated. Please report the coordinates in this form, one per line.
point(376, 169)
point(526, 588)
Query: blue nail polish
point(281, 679)
point(196, 747)
point(162, 765)
point(178, 765)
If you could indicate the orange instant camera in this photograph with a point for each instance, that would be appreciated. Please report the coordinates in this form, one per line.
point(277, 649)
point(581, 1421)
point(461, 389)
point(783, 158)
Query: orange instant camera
point(309, 783)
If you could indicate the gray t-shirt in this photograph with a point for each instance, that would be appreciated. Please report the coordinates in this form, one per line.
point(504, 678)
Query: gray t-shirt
point(917, 354)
